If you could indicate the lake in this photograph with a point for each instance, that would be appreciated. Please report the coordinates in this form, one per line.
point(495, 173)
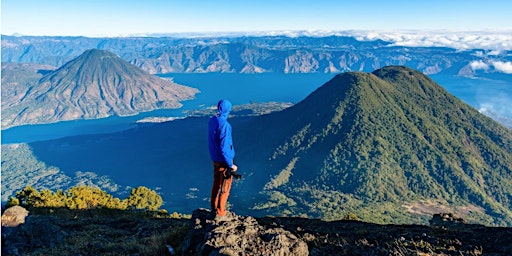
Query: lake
point(492, 93)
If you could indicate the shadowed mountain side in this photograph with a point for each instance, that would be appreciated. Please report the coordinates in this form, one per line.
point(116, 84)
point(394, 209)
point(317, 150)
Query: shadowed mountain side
point(363, 143)
point(172, 156)
point(17, 78)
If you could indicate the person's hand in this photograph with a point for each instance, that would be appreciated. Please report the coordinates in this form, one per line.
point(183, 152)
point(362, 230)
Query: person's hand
point(234, 167)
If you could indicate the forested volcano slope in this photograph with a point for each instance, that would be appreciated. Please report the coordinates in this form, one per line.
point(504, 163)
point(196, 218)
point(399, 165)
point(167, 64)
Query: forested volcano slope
point(371, 142)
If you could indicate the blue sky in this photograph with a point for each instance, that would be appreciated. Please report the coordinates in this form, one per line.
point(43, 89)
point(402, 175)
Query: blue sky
point(125, 17)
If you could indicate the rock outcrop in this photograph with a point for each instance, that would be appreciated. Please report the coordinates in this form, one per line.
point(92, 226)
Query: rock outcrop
point(238, 235)
point(33, 235)
point(14, 216)
point(100, 232)
point(445, 219)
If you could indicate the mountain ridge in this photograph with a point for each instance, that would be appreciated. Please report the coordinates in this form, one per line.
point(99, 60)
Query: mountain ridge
point(250, 54)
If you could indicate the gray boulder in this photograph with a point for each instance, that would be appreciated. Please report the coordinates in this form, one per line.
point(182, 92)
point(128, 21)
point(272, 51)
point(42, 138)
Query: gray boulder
point(238, 235)
point(446, 219)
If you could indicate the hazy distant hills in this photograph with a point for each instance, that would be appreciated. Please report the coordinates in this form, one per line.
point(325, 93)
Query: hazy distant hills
point(95, 84)
point(282, 54)
point(390, 146)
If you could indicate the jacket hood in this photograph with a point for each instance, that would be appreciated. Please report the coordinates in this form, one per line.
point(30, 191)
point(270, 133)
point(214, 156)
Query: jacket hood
point(224, 107)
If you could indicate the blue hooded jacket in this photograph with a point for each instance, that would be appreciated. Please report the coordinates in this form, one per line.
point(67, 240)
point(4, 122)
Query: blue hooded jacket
point(220, 142)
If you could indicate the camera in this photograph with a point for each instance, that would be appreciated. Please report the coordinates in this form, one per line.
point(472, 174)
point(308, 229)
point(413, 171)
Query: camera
point(235, 174)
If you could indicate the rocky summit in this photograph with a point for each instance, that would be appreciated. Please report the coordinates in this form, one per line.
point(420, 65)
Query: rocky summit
point(102, 232)
point(238, 235)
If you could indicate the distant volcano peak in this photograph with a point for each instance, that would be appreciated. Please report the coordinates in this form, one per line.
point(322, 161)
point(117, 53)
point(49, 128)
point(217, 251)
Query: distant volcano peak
point(95, 84)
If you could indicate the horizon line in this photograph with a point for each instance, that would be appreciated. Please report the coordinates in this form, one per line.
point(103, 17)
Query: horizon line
point(284, 32)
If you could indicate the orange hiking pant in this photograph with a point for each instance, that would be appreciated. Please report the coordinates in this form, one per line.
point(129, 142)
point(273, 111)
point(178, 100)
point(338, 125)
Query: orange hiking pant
point(220, 189)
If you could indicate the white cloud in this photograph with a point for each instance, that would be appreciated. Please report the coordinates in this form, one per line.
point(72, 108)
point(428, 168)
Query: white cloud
point(497, 105)
point(479, 65)
point(497, 66)
point(494, 53)
point(496, 41)
point(480, 54)
point(504, 67)
point(493, 41)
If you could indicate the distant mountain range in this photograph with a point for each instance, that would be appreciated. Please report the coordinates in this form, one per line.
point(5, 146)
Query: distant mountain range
point(93, 85)
point(390, 146)
point(253, 54)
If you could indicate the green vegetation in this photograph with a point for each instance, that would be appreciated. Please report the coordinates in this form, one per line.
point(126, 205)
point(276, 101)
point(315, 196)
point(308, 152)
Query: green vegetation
point(368, 143)
point(21, 168)
point(85, 198)
point(282, 178)
point(144, 198)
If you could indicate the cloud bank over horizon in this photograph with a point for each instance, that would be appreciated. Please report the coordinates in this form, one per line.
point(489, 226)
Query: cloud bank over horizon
point(496, 41)
point(461, 40)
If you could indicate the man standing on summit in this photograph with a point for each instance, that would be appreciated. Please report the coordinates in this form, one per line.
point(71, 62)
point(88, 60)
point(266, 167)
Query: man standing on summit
point(220, 144)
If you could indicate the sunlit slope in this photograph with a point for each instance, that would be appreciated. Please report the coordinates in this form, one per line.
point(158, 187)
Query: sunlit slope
point(387, 137)
point(95, 84)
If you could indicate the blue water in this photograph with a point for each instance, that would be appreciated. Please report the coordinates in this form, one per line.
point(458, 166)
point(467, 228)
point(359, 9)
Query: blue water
point(492, 92)
point(238, 88)
point(489, 92)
